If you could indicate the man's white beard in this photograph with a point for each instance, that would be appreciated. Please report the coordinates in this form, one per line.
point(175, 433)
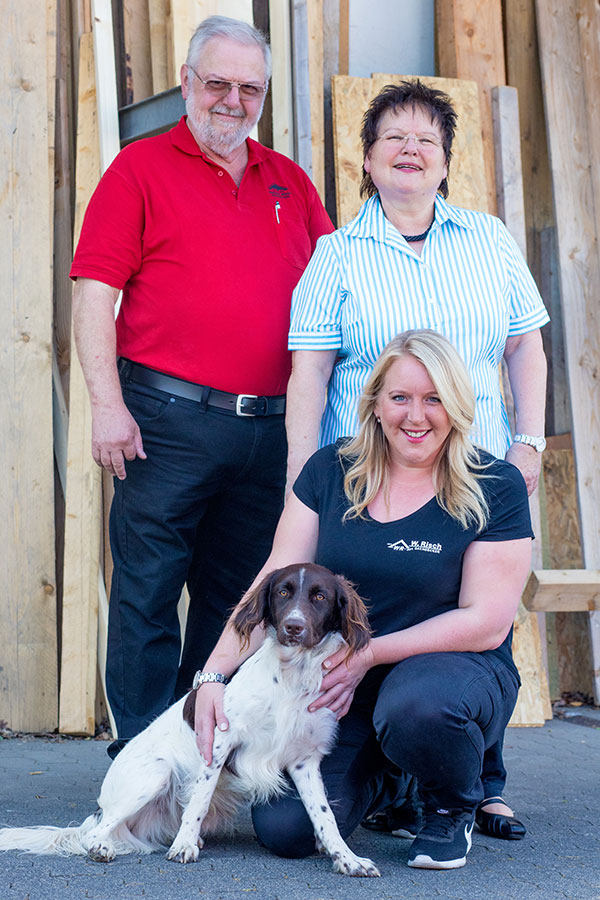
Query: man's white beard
point(218, 139)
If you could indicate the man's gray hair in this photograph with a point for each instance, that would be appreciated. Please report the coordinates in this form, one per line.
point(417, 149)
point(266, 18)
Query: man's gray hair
point(233, 30)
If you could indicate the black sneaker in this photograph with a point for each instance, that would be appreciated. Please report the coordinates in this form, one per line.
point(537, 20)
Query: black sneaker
point(444, 840)
point(401, 821)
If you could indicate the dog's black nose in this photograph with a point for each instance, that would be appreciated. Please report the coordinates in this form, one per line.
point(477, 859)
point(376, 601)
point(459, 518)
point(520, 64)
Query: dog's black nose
point(294, 628)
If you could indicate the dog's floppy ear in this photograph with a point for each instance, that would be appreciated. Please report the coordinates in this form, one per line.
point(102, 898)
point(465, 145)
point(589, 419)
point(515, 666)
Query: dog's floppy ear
point(255, 608)
point(355, 628)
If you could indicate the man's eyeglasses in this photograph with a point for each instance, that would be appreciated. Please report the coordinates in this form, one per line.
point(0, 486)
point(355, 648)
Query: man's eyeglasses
point(221, 88)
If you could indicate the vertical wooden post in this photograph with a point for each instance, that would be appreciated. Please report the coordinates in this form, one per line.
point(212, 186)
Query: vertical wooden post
point(28, 676)
point(470, 45)
point(569, 35)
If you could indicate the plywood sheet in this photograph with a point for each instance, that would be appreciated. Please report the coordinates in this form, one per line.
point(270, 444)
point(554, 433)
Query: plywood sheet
point(351, 97)
point(28, 669)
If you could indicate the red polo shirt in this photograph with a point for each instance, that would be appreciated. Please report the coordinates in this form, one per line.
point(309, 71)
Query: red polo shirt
point(207, 269)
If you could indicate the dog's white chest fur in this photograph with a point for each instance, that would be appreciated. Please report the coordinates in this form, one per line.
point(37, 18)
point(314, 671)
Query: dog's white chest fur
point(267, 707)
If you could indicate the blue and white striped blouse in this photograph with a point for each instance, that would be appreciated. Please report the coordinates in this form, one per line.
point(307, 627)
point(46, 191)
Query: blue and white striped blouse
point(364, 284)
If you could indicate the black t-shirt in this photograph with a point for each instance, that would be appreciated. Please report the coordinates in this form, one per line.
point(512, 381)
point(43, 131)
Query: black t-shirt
point(410, 569)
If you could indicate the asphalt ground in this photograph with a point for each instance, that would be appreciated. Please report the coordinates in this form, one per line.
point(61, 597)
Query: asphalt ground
point(554, 781)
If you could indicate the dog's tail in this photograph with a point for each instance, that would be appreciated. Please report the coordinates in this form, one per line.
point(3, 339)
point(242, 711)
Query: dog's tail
point(46, 839)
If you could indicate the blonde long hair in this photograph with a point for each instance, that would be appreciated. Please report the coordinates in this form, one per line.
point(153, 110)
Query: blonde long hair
point(457, 471)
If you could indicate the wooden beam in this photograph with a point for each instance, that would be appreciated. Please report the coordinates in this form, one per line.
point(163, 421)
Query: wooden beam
point(83, 506)
point(138, 55)
point(569, 35)
point(157, 19)
point(307, 57)
point(563, 590)
point(568, 633)
point(470, 46)
point(28, 672)
point(507, 156)
point(281, 82)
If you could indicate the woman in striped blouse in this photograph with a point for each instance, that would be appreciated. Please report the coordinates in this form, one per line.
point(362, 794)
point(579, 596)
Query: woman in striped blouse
point(411, 260)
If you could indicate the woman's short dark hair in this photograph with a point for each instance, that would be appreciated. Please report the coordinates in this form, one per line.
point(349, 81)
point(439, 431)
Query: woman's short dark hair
point(413, 94)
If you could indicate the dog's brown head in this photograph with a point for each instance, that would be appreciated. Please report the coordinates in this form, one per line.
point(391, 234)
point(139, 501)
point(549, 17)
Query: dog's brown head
point(304, 602)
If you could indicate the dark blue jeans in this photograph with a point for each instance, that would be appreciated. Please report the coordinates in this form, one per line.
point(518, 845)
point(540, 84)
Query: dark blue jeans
point(211, 489)
point(431, 716)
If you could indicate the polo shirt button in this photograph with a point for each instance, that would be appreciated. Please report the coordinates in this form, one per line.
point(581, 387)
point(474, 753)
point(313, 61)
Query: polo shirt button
point(219, 173)
point(431, 300)
point(234, 193)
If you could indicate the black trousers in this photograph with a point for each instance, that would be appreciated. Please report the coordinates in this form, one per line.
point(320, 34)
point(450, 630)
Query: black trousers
point(210, 490)
point(431, 716)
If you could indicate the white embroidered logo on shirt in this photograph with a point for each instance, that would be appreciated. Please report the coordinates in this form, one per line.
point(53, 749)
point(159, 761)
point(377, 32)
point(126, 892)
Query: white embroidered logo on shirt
point(425, 546)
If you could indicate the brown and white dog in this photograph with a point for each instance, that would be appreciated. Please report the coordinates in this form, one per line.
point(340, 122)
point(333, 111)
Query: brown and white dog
point(160, 793)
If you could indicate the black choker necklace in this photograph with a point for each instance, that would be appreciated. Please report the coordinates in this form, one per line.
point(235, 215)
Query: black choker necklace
point(411, 238)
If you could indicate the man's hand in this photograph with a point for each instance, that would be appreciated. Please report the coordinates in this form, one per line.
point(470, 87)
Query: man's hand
point(208, 714)
point(115, 438)
point(341, 680)
point(529, 463)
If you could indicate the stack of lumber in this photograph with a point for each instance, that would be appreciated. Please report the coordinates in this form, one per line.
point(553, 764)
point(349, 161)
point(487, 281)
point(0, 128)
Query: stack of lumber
point(60, 95)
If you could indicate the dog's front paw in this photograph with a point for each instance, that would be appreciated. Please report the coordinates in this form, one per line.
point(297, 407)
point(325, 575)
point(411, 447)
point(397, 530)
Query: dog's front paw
point(101, 852)
point(185, 853)
point(357, 866)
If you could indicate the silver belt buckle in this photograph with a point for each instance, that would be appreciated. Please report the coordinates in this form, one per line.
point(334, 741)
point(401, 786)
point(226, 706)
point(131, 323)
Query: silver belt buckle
point(240, 400)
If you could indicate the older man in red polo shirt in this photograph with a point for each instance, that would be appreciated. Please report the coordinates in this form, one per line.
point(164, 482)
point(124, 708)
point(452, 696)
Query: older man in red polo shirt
point(206, 232)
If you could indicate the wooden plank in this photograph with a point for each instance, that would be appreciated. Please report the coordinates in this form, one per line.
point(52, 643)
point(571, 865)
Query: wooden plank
point(350, 98)
point(138, 55)
point(527, 652)
point(331, 62)
point(28, 674)
point(470, 45)
point(569, 641)
point(307, 60)
point(507, 156)
point(534, 699)
point(568, 32)
point(523, 71)
point(344, 17)
point(281, 82)
point(106, 82)
point(83, 498)
point(563, 590)
point(157, 20)
point(315, 77)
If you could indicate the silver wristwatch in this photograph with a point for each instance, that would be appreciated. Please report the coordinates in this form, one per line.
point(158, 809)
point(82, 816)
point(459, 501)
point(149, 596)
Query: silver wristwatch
point(203, 677)
point(538, 443)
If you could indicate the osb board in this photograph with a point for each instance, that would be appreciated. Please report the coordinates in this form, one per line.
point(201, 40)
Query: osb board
point(28, 670)
point(570, 631)
point(350, 99)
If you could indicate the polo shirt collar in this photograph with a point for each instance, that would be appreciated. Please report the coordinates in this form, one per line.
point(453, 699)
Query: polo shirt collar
point(372, 223)
point(183, 139)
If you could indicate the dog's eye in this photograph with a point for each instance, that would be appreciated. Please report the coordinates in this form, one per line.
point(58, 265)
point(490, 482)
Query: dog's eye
point(319, 596)
point(283, 593)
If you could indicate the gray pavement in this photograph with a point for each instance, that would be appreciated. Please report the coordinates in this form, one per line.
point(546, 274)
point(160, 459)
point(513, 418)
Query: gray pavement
point(554, 783)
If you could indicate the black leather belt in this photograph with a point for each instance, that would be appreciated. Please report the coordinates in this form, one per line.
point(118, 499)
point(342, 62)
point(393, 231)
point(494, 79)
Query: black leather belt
point(238, 404)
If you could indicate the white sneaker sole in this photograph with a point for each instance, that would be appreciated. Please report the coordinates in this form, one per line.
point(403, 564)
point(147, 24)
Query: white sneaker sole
point(426, 862)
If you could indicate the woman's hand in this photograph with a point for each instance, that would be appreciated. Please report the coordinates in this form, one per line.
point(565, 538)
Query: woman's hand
point(208, 714)
point(342, 677)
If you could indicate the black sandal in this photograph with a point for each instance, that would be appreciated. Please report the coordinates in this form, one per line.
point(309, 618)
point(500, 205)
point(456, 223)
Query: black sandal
point(505, 827)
